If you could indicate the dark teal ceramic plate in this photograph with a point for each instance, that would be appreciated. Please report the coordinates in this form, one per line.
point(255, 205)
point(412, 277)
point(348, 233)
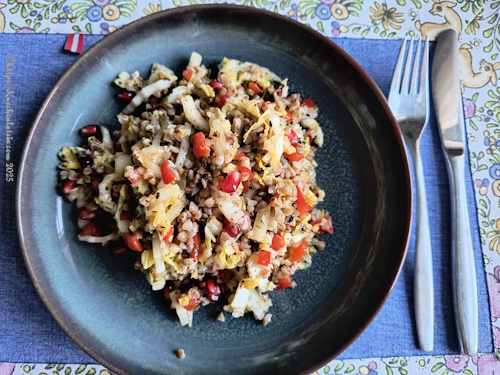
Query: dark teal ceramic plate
point(109, 309)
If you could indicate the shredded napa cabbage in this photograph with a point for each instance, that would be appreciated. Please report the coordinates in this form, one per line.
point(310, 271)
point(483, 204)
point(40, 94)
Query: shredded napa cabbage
point(165, 209)
point(151, 157)
point(260, 224)
point(122, 225)
point(146, 93)
point(185, 316)
point(236, 72)
point(105, 200)
point(264, 119)
point(177, 94)
point(121, 161)
point(192, 114)
point(69, 157)
point(161, 72)
point(195, 59)
point(230, 206)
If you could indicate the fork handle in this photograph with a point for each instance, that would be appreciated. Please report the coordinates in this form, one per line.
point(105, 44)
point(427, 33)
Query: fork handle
point(423, 279)
point(463, 267)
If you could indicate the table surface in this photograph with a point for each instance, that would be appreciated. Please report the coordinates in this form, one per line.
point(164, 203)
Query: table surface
point(32, 342)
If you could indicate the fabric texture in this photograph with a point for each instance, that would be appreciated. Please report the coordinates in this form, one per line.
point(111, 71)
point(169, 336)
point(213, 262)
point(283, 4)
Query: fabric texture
point(28, 333)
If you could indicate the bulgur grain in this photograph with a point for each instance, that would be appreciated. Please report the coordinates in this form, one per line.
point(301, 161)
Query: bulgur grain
point(181, 354)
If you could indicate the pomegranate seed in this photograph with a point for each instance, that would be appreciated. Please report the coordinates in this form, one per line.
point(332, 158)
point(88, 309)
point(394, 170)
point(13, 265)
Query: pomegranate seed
point(153, 102)
point(90, 229)
point(213, 297)
point(216, 85)
point(211, 286)
point(90, 130)
point(224, 276)
point(231, 182)
point(84, 161)
point(125, 215)
point(211, 289)
point(96, 180)
point(85, 214)
point(223, 99)
point(115, 193)
point(278, 88)
point(232, 230)
point(126, 96)
point(117, 146)
point(67, 186)
point(268, 198)
point(166, 291)
point(118, 249)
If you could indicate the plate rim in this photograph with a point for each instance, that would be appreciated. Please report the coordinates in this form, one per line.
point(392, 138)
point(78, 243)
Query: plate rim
point(109, 39)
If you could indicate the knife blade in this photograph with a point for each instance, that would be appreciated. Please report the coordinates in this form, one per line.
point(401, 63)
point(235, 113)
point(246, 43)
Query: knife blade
point(449, 112)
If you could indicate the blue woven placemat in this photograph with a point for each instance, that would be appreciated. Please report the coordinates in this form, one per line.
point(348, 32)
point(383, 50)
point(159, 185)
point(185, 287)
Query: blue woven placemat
point(29, 334)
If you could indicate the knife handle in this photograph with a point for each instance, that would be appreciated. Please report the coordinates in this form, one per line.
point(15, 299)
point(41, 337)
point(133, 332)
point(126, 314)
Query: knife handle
point(423, 279)
point(463, 267)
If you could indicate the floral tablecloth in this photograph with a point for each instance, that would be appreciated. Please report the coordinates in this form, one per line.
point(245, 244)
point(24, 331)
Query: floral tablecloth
point(478, 24)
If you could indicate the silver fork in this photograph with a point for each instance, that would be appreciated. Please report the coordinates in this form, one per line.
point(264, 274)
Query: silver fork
point(409, 101)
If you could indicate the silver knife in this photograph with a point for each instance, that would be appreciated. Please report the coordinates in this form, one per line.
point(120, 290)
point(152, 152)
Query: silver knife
point(449, 113)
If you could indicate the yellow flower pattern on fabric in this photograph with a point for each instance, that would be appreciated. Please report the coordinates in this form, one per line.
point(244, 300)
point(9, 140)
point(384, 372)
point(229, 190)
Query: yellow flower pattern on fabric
point(494, 236)
point(389, 18)
point(152, 8)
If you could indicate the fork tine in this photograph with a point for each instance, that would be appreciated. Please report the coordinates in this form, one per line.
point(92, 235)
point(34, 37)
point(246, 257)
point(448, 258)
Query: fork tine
point(416, 68)
point(424, 71)
point(406, 77)
point(396, 77)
